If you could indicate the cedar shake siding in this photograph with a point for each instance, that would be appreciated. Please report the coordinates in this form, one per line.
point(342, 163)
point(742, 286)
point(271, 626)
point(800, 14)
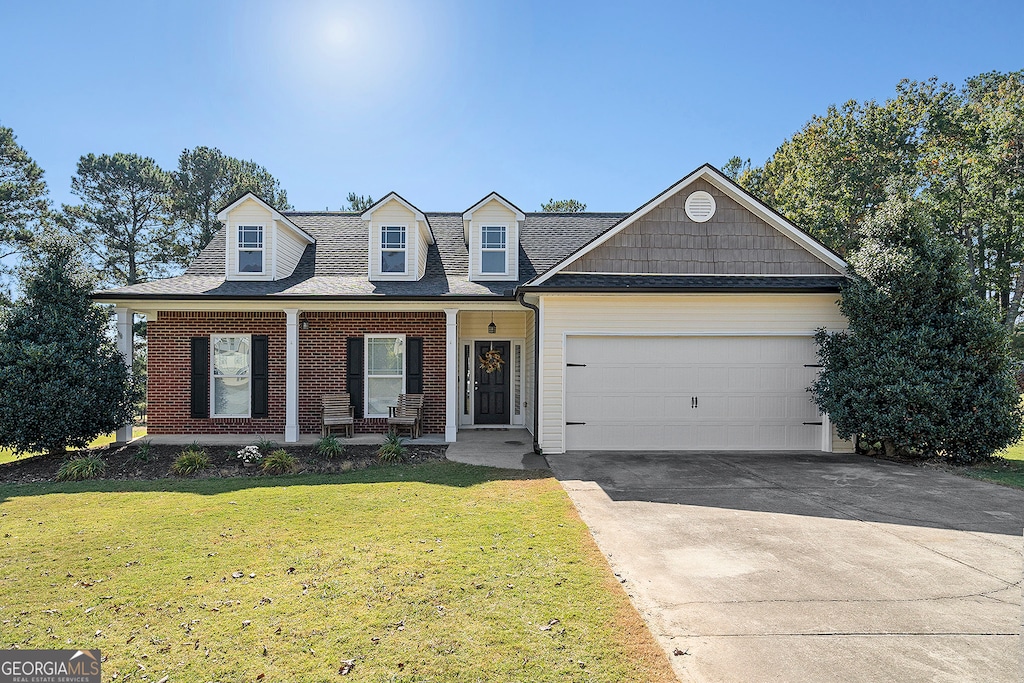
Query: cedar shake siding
point(323, 366)
point(733, 242)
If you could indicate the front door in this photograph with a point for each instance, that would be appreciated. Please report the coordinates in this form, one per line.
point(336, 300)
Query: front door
point(492, 387)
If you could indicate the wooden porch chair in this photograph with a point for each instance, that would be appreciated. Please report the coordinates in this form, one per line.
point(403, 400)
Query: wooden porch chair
point(337, 412)
point(408, 414)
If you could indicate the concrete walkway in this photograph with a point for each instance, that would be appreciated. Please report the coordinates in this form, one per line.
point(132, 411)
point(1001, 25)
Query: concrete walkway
point(810, 567)
point(510, 448)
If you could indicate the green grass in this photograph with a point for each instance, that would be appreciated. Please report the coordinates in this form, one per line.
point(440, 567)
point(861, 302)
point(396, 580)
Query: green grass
point(436, 572)
point(8, 455)
point(1007, 468)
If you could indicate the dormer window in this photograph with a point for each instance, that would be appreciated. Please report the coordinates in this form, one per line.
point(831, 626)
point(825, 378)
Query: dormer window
point(392, 249)
point(493, 250)
point(250, 248)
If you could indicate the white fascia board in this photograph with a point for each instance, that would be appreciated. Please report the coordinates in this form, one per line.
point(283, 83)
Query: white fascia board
point(468, 214)
point(713, 176)
point(368, 214)
point(222, 216)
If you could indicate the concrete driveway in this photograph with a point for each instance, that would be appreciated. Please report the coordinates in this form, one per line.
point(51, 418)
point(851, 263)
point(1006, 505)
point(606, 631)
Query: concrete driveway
point(810, 566)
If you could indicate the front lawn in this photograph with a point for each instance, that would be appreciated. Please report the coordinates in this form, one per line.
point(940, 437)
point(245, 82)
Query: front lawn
point(1007, 468)
point(7, 455)
point(437, 572)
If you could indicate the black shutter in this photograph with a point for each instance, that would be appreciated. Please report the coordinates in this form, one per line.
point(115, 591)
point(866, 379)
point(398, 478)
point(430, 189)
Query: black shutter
point(260, 385)
point(355, 373)
point(414, 365)
point(200, 387)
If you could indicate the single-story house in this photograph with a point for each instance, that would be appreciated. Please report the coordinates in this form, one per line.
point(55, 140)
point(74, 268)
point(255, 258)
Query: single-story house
point(683, 325)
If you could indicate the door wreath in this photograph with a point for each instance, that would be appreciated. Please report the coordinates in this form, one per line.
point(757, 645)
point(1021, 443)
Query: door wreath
point(491, 361)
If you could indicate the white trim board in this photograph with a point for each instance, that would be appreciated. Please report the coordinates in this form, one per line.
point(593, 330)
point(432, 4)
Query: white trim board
point(715, 177)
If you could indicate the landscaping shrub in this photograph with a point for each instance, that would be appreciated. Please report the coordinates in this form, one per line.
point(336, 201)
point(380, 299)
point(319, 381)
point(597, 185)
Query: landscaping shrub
point(329, 447)
point(265, 445)
point(279, 462)
point(250, 454)
point(143, 452)
point(193, 459)
point(392, 450)
point(81, 468)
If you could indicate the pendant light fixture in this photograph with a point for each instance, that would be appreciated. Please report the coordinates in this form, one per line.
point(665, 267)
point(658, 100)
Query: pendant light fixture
point(492, 328)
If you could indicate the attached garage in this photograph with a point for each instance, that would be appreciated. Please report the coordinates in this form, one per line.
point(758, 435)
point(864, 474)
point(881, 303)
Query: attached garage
point(690, 393)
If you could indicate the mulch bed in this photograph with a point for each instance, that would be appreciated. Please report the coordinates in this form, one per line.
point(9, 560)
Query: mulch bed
point(126, 463)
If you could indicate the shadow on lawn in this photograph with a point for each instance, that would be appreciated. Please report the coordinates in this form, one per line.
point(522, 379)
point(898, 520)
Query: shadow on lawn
point(442, 473)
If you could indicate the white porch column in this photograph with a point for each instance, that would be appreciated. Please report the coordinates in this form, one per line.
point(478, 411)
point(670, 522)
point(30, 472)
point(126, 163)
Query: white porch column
point(125, 344)
point(826, 433)
point(291, 391)
point(451, 374)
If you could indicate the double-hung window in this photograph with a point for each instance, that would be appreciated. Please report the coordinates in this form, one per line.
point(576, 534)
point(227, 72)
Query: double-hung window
point(231, 374)
point(492, 250)
point(392, 249)
point(250, 248)
point(385, 372)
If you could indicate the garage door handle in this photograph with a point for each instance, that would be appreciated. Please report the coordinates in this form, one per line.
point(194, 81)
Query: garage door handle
point(575, 423)
point(813, 423)
point(814, 366)
point(575, 365)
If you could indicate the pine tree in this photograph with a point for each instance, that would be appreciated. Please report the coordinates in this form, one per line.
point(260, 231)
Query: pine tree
point(62, 380)
point(924, 366)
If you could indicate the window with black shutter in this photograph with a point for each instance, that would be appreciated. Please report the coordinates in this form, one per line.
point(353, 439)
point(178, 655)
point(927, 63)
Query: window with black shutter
point(414, 365)
point(260, 381)
point(200, 385)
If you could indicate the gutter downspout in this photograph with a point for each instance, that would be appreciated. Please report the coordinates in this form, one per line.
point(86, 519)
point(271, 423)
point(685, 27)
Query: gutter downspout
point(536, 384)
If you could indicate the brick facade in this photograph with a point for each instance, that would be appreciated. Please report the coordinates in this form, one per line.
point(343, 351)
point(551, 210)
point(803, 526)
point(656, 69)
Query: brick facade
point(323, 362)
point(322, 366)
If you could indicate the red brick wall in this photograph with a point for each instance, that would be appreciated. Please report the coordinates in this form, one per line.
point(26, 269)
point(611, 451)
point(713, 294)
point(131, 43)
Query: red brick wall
point(323, 351)
point(322, 366)
point(168, 396)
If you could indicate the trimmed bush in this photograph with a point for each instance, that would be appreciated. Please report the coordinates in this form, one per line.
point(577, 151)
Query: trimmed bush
point(329, 447)
point(193, 459)
point(279, 462)
point(80, 469)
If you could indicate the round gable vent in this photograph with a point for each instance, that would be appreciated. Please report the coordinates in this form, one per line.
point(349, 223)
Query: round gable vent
point(700, 206)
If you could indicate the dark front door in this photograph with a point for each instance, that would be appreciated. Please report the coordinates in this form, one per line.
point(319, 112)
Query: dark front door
point(491, 389)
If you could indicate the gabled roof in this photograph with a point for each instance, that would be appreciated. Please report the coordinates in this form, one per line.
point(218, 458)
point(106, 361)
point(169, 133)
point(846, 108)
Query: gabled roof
point(222, 215)
point(467, 215)
point(419, 215)
point(719, 180)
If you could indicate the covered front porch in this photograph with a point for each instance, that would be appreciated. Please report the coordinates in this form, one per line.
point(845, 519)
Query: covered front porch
point(477, 366)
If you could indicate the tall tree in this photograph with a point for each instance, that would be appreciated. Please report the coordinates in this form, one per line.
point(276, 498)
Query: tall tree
point(923, 367)
point(563, 206)
point(357, 202)
point(62, 380)
point(122, 220)
point(829, 176)
point(23, 194)
point(206, 179)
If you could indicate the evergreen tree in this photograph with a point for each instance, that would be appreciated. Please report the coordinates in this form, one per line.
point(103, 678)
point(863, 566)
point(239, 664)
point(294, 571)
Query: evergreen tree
point(924, 366)
point(563, 206)
point(62, 380)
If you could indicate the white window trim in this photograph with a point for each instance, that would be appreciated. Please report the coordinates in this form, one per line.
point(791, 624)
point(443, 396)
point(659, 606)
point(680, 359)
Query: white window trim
point(213, 376)
point(405, 250)
point(504, 250)
point(262, 249)
point(366, 370)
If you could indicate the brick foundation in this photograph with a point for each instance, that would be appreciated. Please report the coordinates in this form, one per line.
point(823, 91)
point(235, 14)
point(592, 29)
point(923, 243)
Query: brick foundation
point(322, 366)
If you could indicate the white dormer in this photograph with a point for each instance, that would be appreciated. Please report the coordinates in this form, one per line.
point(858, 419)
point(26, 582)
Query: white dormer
point(399, 235)
point(261, 243)
point(491, 228)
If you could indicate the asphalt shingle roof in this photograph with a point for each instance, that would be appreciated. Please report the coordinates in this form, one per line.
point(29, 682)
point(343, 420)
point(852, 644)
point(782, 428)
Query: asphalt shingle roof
point(696, 283)
point(336, 264)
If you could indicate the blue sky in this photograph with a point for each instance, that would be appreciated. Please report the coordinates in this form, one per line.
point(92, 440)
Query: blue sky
point(608, 103)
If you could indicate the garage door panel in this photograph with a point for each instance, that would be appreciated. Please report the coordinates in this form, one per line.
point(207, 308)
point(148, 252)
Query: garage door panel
point(637, 393)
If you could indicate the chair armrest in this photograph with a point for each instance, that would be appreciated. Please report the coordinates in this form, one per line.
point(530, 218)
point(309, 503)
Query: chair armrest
point(391, 411)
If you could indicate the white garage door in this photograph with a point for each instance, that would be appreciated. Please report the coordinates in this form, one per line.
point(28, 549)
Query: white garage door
point(690, 393)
